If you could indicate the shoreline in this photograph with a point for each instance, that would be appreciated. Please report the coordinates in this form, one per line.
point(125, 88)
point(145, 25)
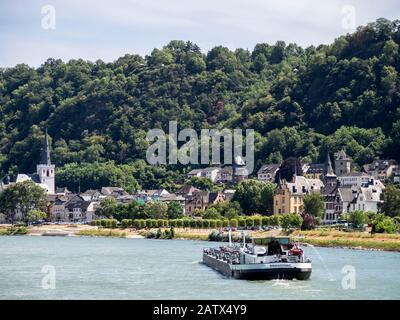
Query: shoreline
point(317, 238)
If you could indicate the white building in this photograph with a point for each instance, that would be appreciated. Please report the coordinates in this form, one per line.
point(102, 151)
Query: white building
point(366, 199)
point(268, 172)
point(355, 179)
point(211, 173)
point(45, 171)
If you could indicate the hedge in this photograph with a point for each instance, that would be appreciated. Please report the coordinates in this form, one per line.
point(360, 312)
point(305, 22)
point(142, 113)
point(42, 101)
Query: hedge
point(256, 221)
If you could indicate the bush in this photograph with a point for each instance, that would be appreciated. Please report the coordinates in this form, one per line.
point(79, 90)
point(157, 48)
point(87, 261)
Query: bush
point(192, 224)
point(206, 224)
point(173, 223)
point(233, 223)
point(383, 224)
point(215, 236)
point(257, 221)
point(292, 220)
point(249, 222)
point(126, 223)
point(12, 231)
point(266, 221)
point(275, 220)
point(212, 224)
point(186, 223)
point(199, 224)
point(242, 222)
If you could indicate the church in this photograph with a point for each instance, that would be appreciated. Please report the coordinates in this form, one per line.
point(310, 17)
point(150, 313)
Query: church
point(45, 171)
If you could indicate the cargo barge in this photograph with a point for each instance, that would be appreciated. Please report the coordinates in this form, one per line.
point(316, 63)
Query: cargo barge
point(263, 259)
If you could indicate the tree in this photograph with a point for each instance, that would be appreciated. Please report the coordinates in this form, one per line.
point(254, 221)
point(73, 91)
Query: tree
point(267, 198)
point(201, 183)
point(309, 221)
point(288, 168)
point(292, 220)
point(227, 209)
point(254, 196)
point(156, 210)
point(211, 213)
point(107, 207)
point(314, 204)
point(21, 198)
point(357, 218)
point(175, 210)
point(301, 102)
point(35, 215)
point(390, 205)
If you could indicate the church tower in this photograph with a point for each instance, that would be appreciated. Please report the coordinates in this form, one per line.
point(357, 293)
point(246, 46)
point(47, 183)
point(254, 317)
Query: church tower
point(46, 170)
point(329, 176)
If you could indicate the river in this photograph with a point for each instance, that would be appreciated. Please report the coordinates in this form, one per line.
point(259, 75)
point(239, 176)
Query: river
point(113, 268)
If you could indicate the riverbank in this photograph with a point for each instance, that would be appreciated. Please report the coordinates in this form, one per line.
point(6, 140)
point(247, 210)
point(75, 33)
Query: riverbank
point(73, 230)
point(320, 238)
point(351, 240)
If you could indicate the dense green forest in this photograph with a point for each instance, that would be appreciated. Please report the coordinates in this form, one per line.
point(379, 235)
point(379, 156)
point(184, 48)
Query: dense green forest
point(300, 101)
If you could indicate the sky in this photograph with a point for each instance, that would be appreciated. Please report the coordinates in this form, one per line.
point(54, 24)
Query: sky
point(101, 29)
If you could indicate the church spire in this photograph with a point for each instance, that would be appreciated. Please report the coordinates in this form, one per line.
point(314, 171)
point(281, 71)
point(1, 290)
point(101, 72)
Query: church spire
point(46, 151)
point(328, 166)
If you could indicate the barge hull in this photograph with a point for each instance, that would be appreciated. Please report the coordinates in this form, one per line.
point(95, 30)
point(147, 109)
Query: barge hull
point(255, 273)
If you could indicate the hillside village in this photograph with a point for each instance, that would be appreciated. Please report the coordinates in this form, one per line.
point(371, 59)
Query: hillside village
point(342, 189)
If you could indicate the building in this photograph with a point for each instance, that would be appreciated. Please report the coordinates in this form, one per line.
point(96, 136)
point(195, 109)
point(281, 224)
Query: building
point(211, 173)
point(79, 210)
point(202, 200)
point(380, 169)
point(225, 175)
point(289, 196)
point(172, 197)
point(314, 171)
point(366, 199)
point(329, 192)
point(45, 171)
point(73, 208)
point(228, 174)
point(92, 195)
point(151, 195)
point(268, 172)
point(194, 173)
point(343, 163)
point(355, 179)
point(117, 193)
point(186, 190)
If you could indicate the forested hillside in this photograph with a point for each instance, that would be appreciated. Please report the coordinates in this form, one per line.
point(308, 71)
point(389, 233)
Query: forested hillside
point(301, 102)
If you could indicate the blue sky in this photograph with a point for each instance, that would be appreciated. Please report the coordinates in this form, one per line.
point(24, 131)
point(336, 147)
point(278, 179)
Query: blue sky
point(100, 29)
